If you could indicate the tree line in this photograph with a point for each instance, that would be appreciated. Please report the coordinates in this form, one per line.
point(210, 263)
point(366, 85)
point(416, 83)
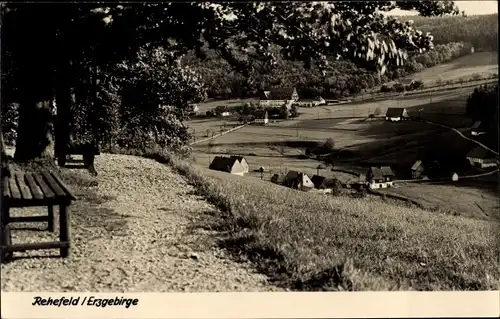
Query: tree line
point(113, 73)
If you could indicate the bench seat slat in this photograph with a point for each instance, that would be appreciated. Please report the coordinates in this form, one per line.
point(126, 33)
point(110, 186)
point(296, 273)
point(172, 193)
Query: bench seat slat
point(23, 188)
point(14, 190)
point(35, 190)
point(63, 186)
point(53, 184)
point(47, 192)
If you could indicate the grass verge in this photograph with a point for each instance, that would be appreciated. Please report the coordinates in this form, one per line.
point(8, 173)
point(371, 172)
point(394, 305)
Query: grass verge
point(307, 241)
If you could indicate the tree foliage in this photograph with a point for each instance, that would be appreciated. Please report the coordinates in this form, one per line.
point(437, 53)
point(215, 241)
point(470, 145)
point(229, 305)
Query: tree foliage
point(54, 47)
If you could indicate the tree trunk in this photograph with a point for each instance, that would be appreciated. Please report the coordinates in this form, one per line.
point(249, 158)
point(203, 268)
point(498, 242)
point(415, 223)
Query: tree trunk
point(64, 101)
point(34, 139)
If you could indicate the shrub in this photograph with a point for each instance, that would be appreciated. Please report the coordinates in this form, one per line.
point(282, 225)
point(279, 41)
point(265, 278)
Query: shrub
point(377, 111)
point(329, 145)
point(10, 119)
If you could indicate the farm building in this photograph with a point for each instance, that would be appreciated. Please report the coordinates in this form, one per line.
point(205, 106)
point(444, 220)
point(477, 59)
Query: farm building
point(193, 109)
point(407, 82)
point(319, 181)
point(380, 177)
point(228, 165)
point(278, 179)
point(298, 180)
point(261, 117)
point(477, 129)
point(311, 102)
point(482, 158)
point(417, 169)
point(243, 162)
point(396, 114)
point(279, 96)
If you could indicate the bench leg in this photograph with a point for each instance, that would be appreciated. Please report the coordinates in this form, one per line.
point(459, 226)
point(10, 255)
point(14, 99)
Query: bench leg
point(88, 161)
point(5, 236)
point(5, 240)
point(64, 234)
point(61, 160)
point(50, 222)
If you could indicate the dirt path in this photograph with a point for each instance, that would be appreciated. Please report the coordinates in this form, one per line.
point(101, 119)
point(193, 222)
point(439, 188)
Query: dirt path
point(139, 236)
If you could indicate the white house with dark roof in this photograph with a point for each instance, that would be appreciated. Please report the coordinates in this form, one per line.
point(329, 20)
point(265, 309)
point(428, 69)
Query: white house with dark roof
point(482, 158)
point(477, 129)
point(278, 97)
point(379, 177)
point(396, 114)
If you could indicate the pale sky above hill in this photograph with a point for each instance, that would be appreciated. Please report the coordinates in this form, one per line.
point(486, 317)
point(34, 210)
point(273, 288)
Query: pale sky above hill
point(470, 8)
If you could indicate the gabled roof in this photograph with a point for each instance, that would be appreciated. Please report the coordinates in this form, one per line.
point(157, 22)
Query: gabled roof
point(479, 152)
point(220, 163)
point(387, 171)
point(239, 158)
point(416, 165)
point(395, 112)
point(292, 175)
point(318, 180)
point(407, 81)
point(278, 94)
point(476, 125)
point(376, 172)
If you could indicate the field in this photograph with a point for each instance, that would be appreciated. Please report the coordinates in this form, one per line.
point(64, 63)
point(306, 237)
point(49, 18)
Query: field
point(481, 63)
point(360, 142)
point(308, 241)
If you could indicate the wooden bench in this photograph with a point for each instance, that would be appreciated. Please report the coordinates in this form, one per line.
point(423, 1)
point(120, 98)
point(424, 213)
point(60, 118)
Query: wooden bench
point(34, 189)
point(88, 151)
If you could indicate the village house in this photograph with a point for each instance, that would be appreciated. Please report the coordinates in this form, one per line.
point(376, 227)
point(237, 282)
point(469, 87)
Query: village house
point(311, 102)
point(396, 114)
point(228, 165)
point(261, 117)
point(482, 158)
point(278, 97)
point(407, 82)
point(477, 129)
point(323, 184)
point(243, 162)
point(193, 109)
point(417, 169)
point(298, 180)
point(379, 177)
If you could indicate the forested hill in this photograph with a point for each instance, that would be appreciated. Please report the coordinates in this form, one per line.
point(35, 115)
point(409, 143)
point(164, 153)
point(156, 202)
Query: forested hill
point(454, 37)
point(480, 30)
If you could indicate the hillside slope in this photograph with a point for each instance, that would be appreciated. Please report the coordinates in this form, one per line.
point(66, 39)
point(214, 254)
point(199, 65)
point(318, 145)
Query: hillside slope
point(312, 242)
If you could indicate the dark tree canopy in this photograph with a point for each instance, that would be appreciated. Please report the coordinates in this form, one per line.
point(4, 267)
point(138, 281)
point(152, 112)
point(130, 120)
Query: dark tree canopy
point(50, 48)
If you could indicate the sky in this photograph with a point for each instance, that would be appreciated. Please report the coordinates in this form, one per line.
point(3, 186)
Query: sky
point(470, 7)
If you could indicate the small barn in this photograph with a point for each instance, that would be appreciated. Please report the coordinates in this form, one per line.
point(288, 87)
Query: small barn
point(298, 180)
point(380, 177)
point(228, 165)
point(477, 129)
point(417, 169)
point(320, 182)
point(396, 114)
point(482, 158)
point(243, 162)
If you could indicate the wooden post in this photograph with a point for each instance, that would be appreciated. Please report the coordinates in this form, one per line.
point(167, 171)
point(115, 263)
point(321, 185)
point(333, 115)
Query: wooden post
point(50, 225)
point(64, 234)
point(5, 236)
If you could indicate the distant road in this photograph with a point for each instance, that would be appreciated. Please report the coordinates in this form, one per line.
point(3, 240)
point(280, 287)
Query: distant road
point(463, 136)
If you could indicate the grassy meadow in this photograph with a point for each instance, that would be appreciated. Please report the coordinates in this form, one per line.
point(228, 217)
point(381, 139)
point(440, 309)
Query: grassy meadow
point(307, 241)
